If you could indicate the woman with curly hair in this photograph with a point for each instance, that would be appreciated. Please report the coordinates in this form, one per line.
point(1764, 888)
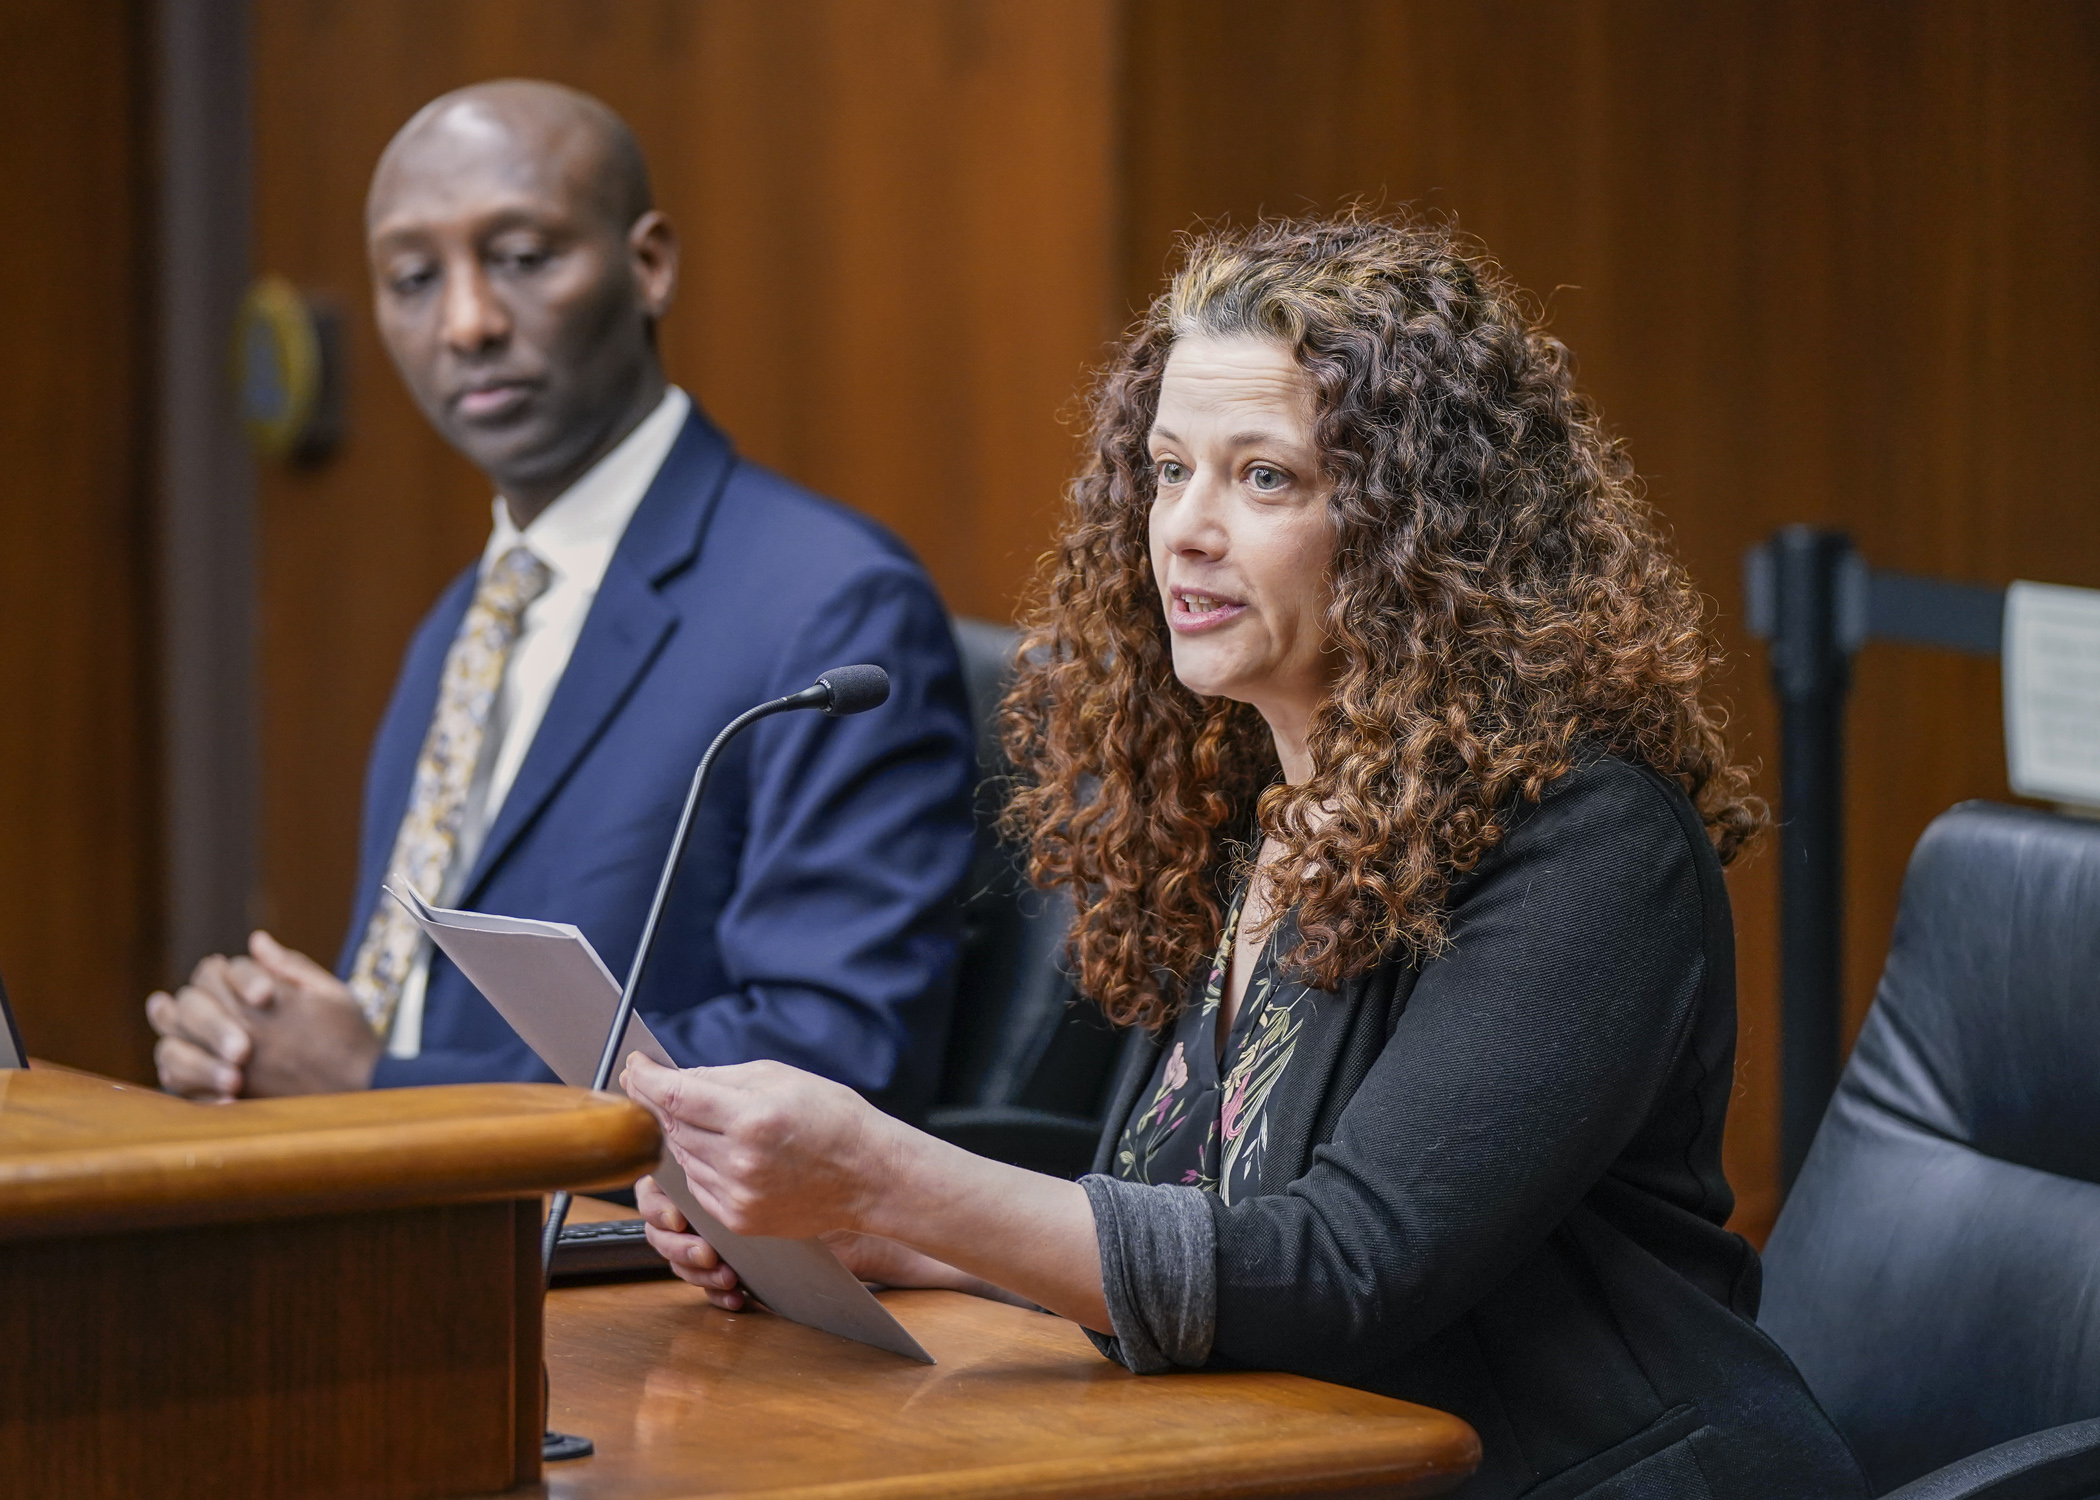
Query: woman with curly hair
point(1361, 714)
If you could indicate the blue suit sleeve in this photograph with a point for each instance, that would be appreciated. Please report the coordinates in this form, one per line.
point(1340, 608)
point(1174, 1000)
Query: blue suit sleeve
point(839, 937)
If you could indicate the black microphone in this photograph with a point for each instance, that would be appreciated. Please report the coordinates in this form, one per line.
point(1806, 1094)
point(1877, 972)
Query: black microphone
point(852, 690)
point(840, 691)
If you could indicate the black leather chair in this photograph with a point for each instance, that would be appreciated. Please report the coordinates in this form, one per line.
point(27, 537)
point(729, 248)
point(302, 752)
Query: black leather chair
point(1029, 1064)
point(1936, 1272)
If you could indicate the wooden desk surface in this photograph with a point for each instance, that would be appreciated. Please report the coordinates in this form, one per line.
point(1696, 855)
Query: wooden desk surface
point(80, 1154)
point(683, 1400)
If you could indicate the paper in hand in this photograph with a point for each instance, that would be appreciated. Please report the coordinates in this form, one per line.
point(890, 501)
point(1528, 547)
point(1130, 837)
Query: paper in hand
point(546, 980)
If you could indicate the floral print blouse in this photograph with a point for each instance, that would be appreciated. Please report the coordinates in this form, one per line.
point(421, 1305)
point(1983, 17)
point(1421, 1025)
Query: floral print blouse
point(1204, 1123)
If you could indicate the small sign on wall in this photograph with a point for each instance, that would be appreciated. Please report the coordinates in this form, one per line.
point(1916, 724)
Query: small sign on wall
point(287, 372)
point(2052, 692)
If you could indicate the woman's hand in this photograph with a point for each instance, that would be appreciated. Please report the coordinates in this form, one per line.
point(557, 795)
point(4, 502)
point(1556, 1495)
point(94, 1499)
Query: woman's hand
point(692, 1259)
point(868, 1256)
point(769, 1149)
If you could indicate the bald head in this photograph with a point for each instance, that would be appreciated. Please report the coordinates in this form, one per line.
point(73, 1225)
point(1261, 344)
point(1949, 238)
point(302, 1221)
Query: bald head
point(526, 126)
point(518, 271)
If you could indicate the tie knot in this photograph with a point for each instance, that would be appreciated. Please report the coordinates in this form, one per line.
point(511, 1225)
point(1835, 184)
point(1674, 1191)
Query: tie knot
point(516, 579)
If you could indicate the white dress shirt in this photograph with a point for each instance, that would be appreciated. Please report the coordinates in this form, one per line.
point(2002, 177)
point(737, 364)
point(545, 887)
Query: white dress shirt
point(575, 537)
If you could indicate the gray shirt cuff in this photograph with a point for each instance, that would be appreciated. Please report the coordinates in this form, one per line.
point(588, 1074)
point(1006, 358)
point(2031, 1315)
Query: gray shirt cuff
point(1159, 1272)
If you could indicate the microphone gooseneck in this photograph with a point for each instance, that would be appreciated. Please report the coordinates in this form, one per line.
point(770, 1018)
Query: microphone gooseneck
point(840, 691)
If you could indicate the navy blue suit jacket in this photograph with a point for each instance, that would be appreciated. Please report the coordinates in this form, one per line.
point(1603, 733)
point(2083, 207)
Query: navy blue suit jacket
point(813, 919)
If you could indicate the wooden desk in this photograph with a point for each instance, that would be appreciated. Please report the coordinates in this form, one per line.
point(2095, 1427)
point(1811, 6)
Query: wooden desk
point(296, 1297)
point(683, 1400)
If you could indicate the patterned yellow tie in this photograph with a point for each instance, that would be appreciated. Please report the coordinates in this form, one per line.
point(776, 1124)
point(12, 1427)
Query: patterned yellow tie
point(430, 832)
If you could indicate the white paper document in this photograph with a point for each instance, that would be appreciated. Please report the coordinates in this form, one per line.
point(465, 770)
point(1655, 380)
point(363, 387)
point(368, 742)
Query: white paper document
point(549, 983)
point(2052, 692)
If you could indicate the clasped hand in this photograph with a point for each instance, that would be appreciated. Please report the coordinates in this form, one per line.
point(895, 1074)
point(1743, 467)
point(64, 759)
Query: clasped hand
point(270, 1022)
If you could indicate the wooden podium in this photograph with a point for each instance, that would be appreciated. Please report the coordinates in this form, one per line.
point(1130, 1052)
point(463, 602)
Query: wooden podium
point(327, 1296)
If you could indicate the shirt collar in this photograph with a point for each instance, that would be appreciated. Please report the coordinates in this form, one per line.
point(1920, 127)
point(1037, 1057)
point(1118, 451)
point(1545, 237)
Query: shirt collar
point(575, 536)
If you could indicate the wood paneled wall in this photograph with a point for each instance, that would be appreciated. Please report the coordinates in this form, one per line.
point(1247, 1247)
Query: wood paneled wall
point(1819, 263)
point(899, 250)
point(78, 842)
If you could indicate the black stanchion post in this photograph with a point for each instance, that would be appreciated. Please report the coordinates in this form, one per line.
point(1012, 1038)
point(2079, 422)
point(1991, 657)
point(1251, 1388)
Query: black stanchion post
point(1808, 599)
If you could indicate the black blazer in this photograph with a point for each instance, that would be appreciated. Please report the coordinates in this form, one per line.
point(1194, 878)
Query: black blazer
point(1496, 1188)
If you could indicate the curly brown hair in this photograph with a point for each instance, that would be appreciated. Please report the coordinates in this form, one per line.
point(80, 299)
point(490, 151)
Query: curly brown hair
point(1502, 605)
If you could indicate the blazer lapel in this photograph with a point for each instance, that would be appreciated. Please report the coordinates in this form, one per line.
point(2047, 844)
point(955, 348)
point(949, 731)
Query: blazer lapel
point(1349, 1032)
point(628, 623)
point(1295, 1117)
point(1133, 1069)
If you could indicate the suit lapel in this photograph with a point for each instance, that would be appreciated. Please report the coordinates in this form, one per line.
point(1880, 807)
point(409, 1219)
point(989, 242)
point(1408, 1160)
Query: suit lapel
point(400, 745)
point(408, 719)
point(628, 623)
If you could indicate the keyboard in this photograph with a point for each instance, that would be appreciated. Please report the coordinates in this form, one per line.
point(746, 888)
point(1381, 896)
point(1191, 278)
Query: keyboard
point(615, 1247)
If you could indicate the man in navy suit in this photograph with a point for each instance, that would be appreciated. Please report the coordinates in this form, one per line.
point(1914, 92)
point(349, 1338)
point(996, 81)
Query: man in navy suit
point(642, 586)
